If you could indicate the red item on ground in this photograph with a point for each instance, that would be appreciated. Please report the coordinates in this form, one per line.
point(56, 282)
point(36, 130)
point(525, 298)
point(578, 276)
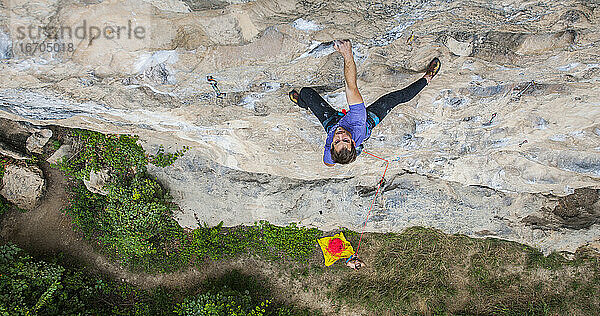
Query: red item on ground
point(344, 111)
point(335, 246)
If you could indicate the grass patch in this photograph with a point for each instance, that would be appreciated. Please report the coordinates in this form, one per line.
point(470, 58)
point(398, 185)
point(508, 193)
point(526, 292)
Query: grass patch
point(407, 268)
point(425, 271)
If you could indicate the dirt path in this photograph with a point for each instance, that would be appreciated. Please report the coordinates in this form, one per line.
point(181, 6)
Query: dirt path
point(46, 231)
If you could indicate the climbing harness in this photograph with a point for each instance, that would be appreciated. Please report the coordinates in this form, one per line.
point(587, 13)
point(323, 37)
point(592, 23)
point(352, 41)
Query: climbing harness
point(381, 182)
point(213, 83)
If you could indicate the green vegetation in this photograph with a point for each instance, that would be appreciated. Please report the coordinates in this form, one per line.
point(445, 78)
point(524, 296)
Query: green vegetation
point(129, 222)
point(56, 144)
point(134, 223)
point(419, 271)
point(3, 163)
point(235, 294)
point(270, 242)
point(221, 304)
point(162, 159)
point(34, 287)
point(121, 155)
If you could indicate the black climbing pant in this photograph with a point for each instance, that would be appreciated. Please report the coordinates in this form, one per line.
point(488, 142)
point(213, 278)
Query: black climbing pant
point(386, 103)
point(329, 116)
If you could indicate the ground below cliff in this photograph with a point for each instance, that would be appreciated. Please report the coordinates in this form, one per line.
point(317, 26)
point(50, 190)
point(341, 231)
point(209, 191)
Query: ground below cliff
point(420, 270)
point(510, 120)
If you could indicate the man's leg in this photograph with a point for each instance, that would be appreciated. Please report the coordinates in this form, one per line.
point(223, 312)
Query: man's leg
point(380, 108)
point(327, 115)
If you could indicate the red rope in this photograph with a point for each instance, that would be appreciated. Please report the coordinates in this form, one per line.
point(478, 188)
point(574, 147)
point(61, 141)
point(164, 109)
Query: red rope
point(387, 163)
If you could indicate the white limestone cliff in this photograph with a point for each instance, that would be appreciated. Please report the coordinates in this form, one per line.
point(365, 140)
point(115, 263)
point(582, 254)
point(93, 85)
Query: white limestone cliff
point(254, 155)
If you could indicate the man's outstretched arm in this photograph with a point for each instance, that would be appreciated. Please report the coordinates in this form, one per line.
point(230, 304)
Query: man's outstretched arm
point(352, 94)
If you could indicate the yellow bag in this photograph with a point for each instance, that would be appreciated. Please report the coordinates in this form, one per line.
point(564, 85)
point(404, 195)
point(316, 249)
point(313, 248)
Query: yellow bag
point(334, 248)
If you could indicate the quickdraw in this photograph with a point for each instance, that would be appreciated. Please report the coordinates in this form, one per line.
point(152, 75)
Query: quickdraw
point(213, 83)
point(523, 91)
point(523, 143)
point(491, 120)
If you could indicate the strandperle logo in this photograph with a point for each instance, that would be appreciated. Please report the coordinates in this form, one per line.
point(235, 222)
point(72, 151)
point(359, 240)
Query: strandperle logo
point(33, 39)
point(81, 32)
point(33, 31)
point(80, 28)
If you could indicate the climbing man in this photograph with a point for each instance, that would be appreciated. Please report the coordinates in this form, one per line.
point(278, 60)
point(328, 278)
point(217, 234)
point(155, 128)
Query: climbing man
point(347, 131)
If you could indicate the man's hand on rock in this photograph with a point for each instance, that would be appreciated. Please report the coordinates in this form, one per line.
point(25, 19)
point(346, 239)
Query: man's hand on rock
point(344, 47)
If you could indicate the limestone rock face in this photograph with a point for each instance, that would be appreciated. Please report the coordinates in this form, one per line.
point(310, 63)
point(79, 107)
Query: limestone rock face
point(18, 138)
point(23, 186)
point(37, 140)
point(64, 151)
point(514, 109)
point(6, 150)
point(97, 182)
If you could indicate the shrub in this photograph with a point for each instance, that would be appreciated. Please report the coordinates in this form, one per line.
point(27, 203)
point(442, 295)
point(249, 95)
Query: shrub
point(33, 287)
point(222, 303)
point(26, 286)
point(133, 220)
point(130, 222)
point(84, 207)
point(120, 154)
point(137, 215)
point(56, 144)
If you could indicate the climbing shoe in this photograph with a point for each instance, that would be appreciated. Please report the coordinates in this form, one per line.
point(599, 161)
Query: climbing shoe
point(294, 96)
point(433, 68)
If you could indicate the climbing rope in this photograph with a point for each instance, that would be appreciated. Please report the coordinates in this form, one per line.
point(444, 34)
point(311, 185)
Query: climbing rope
point(387, 163)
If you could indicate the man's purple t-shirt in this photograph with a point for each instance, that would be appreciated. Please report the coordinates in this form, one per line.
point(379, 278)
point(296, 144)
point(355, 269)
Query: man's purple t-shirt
point(355, 122)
